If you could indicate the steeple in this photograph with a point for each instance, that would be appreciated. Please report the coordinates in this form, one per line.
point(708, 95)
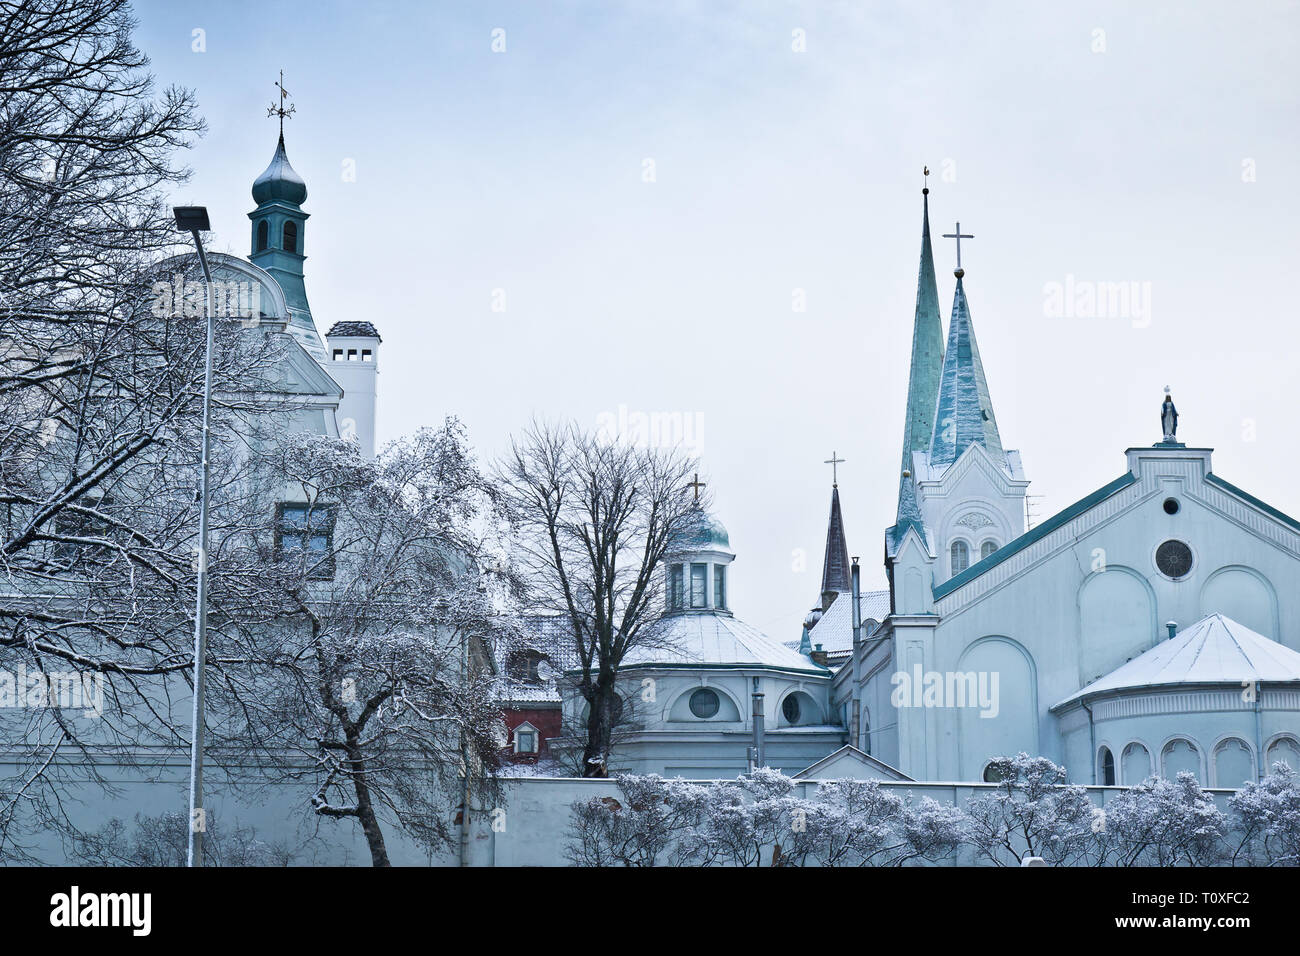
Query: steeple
point(923, 380)
point(963, 413)
point(927, 350)
point(835, 569)
point(279, 235)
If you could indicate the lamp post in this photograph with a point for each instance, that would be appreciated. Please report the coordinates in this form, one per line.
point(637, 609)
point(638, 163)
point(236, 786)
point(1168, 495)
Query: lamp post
point(194, 219)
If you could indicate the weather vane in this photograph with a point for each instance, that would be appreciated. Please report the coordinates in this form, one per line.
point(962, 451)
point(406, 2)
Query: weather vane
point(278, 109)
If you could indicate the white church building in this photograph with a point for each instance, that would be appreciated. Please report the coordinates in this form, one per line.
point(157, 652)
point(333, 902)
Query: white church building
point(1151, 627)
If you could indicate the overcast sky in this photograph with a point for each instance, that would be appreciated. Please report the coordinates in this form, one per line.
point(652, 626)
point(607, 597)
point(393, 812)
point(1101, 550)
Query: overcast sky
point(1154, 144)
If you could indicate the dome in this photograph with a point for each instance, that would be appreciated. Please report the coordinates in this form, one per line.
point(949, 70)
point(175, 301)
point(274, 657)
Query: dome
point(703, 532)
point(279, 182)
point(813, 617)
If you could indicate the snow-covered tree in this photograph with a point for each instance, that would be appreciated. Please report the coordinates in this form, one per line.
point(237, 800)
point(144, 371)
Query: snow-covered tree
point(365, 674)
point(1159, 823)
point(594, 518)
point(1032, 812)
point(163, 840)
point(757, 820)
point(1266, 817)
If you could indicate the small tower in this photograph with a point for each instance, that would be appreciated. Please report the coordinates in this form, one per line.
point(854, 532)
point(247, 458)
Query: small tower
point(354, 364)
point(279, 234)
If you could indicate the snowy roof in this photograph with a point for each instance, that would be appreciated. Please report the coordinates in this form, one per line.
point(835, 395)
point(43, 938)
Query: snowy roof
point(360, 330)
point(964, 415)
point(1214, 650)
point(834, 632)
point(710, 639)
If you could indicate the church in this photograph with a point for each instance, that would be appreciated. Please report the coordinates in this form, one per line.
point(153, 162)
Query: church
point(1152, 627)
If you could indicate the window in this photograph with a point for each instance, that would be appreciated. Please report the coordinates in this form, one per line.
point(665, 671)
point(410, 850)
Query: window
point(523, 666)
point(993, 774)
point(76, 523)
point(1174, 559)
point(338, 355)
point(263, 232)
point(699, 585)
point(290, 237)
point(352, 355)
point(525, 739)
point(866, 734)
point(987, 548)
point(307, 532)
point(676, 588)
point(704, 703)
point(720, 586)
point(790, 709)
point(1171, 506)
point(366, 355)
point(1107, 762)
point(960, 557)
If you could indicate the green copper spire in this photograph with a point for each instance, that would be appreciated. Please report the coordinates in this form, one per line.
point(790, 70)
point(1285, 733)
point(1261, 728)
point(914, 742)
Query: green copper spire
point(923, 381)
point(279, 238)
point(964, 412)
point(927, 350)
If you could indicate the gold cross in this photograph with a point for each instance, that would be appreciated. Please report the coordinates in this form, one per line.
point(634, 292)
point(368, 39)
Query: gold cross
point(278, 109)
point(697, 485)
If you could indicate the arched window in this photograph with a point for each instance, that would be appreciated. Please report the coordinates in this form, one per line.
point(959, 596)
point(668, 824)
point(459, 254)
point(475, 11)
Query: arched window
point(1136, 764)
point(987, 548)
point(1106, 763)
point(1234, 764)
point(790, 709)
point(960, 557)
point(263, 232)
point(866, 733)
point(1284, 750)
point(290, 237)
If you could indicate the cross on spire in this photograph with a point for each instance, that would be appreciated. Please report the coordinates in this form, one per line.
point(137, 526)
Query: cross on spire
point(278, 109)
point(697, 485)
point(834, 461)
point(959, 236)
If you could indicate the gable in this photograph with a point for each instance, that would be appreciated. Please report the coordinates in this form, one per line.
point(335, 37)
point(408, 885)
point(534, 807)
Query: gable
point(850, 763)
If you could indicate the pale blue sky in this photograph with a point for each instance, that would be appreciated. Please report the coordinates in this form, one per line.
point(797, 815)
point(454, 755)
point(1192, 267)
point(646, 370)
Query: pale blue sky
point(779, 170)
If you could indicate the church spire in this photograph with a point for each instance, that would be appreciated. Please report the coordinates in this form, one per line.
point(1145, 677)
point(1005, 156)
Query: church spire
point(964, 411)
point(923, 378)
point(835, 568)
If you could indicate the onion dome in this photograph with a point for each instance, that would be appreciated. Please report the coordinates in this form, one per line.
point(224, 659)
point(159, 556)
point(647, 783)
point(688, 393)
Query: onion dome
point(279, 183)
point(702, 532)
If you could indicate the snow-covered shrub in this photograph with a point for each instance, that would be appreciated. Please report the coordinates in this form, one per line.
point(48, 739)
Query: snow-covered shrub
point(1267, 817)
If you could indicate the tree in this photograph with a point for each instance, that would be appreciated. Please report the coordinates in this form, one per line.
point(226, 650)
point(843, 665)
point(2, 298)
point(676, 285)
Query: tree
point(1267, 817)
point(757, 820)
point(163, 840)
point(100, 397)
point(1032, 812)
point(1160, 823)
point(594, 520)
point(365, 673)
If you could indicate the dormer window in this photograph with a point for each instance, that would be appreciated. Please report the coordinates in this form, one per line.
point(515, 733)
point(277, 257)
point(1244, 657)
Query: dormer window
point(290, 237)
point(525, 739)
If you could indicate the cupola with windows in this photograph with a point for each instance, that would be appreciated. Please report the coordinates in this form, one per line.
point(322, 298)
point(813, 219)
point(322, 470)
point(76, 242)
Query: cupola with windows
point(695, 567)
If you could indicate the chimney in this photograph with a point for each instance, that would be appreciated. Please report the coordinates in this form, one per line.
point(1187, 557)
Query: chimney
point(818, 656)
point(756, 756)
point(857, 605)
point(1173, 628)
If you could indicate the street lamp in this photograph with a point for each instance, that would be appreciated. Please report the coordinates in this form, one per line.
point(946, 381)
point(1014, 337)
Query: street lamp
point(194, 219)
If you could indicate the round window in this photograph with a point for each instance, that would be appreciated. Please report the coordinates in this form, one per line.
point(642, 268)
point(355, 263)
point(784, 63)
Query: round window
point(1171, 506)
point(790, 707)
point(1174, 559)
point(704, 703)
